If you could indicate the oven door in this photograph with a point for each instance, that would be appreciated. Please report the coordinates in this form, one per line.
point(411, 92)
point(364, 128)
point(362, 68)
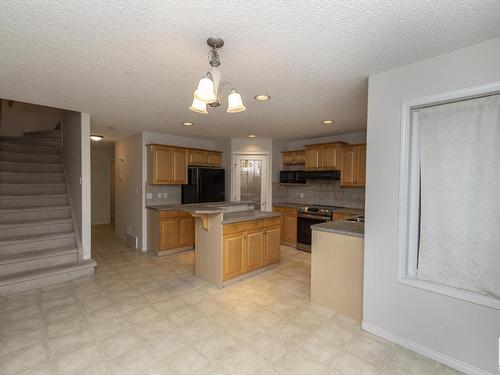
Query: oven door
point(304, 232)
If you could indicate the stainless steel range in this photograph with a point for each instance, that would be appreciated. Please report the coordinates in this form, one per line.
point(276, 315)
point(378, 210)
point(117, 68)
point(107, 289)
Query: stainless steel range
point(307, 216)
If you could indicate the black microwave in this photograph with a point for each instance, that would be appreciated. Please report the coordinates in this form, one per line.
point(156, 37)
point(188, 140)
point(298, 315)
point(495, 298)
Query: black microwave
point(292, 177)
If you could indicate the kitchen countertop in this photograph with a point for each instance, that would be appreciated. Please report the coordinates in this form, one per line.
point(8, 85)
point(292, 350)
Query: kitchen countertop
point(290, 205)
point(238, 217)
point(343, 227)
point(206, 208)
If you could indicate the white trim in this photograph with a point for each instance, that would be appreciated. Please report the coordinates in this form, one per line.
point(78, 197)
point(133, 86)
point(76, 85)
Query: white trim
point(85, 186)
point(425, 350)
point(409, 173)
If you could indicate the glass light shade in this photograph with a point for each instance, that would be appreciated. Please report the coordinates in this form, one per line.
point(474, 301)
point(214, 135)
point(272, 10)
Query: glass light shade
point(96, 137)
point(198, 106)
point(234, 102)
point(205, 91)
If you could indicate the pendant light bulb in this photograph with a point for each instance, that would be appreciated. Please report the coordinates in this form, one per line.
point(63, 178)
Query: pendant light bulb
point(198, 106)
point(234, 102)
point(205, 91)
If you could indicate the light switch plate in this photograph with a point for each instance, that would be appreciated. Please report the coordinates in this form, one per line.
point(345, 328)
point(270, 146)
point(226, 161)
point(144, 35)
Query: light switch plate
point(301, 195)
point(159, 195)
point(149, 195)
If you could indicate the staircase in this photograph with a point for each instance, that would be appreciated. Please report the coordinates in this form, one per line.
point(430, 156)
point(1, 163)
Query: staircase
point(38, 245)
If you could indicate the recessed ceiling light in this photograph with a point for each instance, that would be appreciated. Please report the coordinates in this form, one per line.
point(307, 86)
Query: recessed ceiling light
point(96, 137)
point(251, 136)
point(187, 123)
point(327, 122)
point(262, 98)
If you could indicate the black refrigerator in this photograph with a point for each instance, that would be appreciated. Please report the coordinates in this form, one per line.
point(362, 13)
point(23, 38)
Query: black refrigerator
point(204, 185)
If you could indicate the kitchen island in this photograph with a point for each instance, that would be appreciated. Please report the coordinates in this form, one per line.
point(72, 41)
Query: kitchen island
point(232, 240)
point(337, 260)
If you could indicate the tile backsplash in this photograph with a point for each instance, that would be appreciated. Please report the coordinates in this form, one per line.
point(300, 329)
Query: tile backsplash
point(320, 192)
point(173, 194)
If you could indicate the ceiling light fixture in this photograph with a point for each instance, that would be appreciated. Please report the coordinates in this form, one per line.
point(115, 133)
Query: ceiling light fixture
point(96, 137)
point(187, 123)
point(327, 122)
point(209, 90)
point(262, 98)
point(251, 136)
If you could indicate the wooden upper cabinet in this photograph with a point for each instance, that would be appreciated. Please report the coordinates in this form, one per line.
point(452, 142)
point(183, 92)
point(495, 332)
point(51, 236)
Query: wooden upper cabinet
point(272, 245)
point(213, 159)
point(331, 156)
point(323, 157)
point(167, 165)
point(233, 249)
point(196, 157)
point(179, 166)
point(293, 157)
point(159, 159)
point(361, 165)
point(314, 157)
point(353, 166)
point(255, 250)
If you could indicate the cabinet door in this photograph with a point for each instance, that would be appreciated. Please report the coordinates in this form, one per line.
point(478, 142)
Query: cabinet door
point(272, 245)
point(299, 157)
point(196, 157)
point(282, 221)
point(159, 169)
point(347, 177)
point(168, 234)
point(287, 157)
point(360, 165)
point(255, 250)
point(186, 231)
point(214, 159)
point(313, 158)
point(290, 219)
point(233, 255)
point(331, 156)
point(179, 166)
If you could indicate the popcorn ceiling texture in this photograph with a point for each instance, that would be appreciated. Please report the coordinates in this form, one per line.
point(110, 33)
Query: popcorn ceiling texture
point(135, 64)
point(320, 192)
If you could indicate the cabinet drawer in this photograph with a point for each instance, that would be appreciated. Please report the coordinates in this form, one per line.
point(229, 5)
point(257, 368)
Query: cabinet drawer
point(270, 222)
point(241, 227)
point(169, 214)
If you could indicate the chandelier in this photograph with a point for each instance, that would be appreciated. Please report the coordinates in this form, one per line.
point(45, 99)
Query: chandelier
point(210, 87)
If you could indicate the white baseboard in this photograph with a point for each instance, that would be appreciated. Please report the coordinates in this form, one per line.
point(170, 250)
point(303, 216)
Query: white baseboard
point(425, 351)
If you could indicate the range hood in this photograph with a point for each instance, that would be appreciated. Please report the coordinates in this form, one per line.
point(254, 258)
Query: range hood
point(322, 175)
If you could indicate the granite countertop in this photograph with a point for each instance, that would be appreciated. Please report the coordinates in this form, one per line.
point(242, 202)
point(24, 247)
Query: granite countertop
point(238, 217)
point(353, 211)
point(344, 227)
point(206, 208)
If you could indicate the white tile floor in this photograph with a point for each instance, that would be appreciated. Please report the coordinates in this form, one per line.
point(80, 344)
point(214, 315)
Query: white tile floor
point(147, 315)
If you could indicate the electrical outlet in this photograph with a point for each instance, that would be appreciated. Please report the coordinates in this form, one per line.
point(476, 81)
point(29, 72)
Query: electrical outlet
point(149, 195)
point(159, 195)
point(165, 195)
point(301, 195)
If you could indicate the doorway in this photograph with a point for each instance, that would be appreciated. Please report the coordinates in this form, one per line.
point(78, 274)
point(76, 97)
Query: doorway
point(251, 180)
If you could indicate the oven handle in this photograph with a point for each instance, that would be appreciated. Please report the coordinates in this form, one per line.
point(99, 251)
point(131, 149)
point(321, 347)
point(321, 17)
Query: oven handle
point(314, 217)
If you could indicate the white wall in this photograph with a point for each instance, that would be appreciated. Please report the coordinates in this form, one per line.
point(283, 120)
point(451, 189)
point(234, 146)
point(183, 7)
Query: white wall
point(454, 331)
point(25, 116)
point(100, 156)
point(76, 162)
point(128, 187)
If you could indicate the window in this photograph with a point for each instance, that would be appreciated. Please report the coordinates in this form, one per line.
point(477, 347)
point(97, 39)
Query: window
point(450, 197)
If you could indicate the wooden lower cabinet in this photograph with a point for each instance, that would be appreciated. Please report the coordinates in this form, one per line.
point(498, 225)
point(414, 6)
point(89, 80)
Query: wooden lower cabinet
point(288, 224)
point(233, 254)
point(170, 231)
point(250, 250)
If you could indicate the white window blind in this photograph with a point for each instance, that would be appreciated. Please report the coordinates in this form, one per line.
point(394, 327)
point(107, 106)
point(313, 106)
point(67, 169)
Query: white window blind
point(459, 242)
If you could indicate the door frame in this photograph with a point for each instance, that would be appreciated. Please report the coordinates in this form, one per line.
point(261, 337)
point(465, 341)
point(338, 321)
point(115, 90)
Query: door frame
point(266, 176)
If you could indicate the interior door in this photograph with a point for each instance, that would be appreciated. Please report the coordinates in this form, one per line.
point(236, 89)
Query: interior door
point(251, 180)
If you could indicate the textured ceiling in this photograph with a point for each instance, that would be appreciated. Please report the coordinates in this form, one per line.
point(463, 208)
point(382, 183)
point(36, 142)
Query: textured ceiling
point(135, 64)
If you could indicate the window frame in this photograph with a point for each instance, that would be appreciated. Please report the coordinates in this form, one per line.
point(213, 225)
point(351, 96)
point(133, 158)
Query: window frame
point(409, 194)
